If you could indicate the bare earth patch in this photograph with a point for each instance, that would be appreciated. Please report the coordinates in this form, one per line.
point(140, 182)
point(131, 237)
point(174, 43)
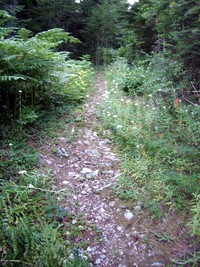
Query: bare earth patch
point(115, 233)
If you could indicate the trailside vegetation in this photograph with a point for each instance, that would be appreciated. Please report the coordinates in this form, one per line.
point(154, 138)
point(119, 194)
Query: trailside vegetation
point(157, 133)
point(36, 81)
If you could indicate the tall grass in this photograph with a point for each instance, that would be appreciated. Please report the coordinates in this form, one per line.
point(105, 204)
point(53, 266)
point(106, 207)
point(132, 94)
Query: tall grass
point(158, 136)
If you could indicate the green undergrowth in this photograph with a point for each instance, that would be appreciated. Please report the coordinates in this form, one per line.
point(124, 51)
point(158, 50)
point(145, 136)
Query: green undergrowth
point(158, 136)
point(35, 228)
point(33, 223)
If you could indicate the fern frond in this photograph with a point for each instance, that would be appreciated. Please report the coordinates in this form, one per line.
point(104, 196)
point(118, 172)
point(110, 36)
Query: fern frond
point(11, 77)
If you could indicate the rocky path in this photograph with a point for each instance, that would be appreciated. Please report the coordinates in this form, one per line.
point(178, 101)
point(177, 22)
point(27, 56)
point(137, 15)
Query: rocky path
point(89, 169)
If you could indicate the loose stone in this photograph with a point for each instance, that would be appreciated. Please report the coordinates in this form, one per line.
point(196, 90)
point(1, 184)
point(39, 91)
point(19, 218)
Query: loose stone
point(157, 264)
point(71, 174)
point(93, 152)
point(86, 143)
point(86, 170)
point(89, 249)
point(98, 261)
point(83, 192)
point(62, 152)
point(102, 256)
point(112, 204)
point(128, 215)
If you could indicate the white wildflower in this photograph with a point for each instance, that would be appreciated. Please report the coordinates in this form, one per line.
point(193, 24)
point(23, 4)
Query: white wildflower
point(31, 186)
point(119, 126)
point(22, 172)
point(65, 182)
point(114, 116)
point(10, 145)
point(20, 91)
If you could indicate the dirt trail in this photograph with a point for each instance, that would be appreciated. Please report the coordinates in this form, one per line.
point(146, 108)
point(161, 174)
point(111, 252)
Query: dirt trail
point(89, 169)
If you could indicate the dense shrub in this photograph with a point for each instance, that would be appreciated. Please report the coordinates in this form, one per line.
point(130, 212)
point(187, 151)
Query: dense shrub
point(34, 76)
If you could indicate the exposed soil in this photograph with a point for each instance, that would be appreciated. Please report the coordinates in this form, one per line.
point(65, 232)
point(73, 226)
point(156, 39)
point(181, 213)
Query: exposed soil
point(115, 233)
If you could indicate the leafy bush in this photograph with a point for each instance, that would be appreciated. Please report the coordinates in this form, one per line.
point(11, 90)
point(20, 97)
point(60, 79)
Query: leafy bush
point(34, 75)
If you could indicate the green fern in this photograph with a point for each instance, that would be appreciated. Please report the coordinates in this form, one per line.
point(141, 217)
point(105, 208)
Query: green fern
point(30, 236)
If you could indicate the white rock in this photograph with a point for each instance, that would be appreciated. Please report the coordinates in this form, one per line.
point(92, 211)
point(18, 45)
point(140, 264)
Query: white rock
point(102, 256)
point(112, 204)
point(93, 153)
point(98, 261)
point(49, 162)
point(86, 143)
point(83, 207)
point(102, 210)
point(128, 215)
point(89, 249)
point(71, 174)
point(62, 152)
point(86, 170)
point(121, 253)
